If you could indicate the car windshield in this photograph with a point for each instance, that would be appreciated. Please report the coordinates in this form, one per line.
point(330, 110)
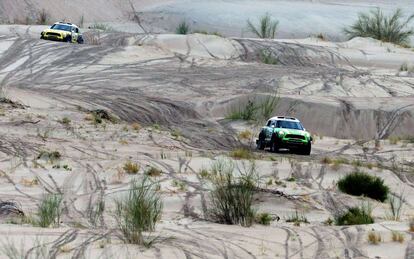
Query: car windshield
point(289, 125)
point(61, 27)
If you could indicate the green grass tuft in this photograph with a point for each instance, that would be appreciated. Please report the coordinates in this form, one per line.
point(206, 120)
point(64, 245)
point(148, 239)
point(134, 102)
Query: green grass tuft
point(138, 211)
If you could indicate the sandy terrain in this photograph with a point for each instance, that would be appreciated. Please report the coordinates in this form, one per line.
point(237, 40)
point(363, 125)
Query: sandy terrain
point(170, 95)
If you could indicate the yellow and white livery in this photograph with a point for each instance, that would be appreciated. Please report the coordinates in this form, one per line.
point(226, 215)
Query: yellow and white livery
point(60, 31)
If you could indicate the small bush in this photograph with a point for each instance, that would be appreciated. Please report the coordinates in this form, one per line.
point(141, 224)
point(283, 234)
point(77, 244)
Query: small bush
point(49, 210)
point(374, 237)
point(375, 24)
point(355, 216)
point(397, 237)
point(264, 218)
point(242, 153)
point(360, 183)
point(65, 121)
point(231, 200)
point(267, 57)
point(266, 29)
point(138, 211)
point(131, 167)
point(183, 28)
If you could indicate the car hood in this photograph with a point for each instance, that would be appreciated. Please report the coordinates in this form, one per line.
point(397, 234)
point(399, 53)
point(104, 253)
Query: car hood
point(57, 31)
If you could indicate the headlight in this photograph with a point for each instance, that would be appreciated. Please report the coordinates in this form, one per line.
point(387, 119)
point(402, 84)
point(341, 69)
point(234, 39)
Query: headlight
point(281, 133)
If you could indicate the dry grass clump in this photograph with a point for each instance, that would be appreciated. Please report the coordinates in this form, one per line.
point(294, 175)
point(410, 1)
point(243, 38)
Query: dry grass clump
point(245, 135)
point(398, 237)
point(136, 126)
point(138, 211)
point(153, 172)
point(242, 153)
point(374, 237)
point(131, 167)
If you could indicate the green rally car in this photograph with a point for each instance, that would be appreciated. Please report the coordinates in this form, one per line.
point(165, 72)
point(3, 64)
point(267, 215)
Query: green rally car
point(285, 132)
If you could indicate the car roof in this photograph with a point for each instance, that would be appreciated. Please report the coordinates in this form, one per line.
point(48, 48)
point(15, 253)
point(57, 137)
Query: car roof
point(279, 118)
point(67, 23)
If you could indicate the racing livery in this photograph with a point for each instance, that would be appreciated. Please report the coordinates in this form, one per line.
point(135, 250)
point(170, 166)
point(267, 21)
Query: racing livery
point(66, 32)
point(285, 132)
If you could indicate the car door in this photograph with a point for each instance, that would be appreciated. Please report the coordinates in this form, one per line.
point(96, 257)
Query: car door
point(269, 129)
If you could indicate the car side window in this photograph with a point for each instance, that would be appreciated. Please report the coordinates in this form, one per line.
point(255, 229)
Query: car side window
point(268, 123)
point(77, 30)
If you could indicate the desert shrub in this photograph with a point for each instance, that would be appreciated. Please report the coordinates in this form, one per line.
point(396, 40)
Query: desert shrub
point(267, 57)
point(49, 155)
point(405, 67)
point(243, 112)
point(183, 28)
point(242, 153)
point(397, 237)
point(136, 126)
point(131, 167)
point(411, 224)
point(208, 33)
point(297, 218)
point(259, 109)
point(138, 211)
point(43, 17)
point(153, 172)
point(360, 183)
point(101, 27)
point(266, 29)
point(264, 218)
point(231, 200)
point(355, 216)
point(49, 210)
point(374, 237)
point(375, 24)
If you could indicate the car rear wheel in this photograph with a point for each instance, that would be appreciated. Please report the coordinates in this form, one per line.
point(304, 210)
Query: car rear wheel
point(261, 144)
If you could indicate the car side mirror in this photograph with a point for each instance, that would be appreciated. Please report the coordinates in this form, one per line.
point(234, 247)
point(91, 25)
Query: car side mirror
point(304, 129)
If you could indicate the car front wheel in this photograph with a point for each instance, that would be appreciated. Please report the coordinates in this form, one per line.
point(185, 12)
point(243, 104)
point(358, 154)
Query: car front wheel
point(306, 150)
point(274, 144)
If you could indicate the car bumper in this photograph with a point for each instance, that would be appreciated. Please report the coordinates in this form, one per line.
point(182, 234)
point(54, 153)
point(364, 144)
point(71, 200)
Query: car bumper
point(53, 38)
